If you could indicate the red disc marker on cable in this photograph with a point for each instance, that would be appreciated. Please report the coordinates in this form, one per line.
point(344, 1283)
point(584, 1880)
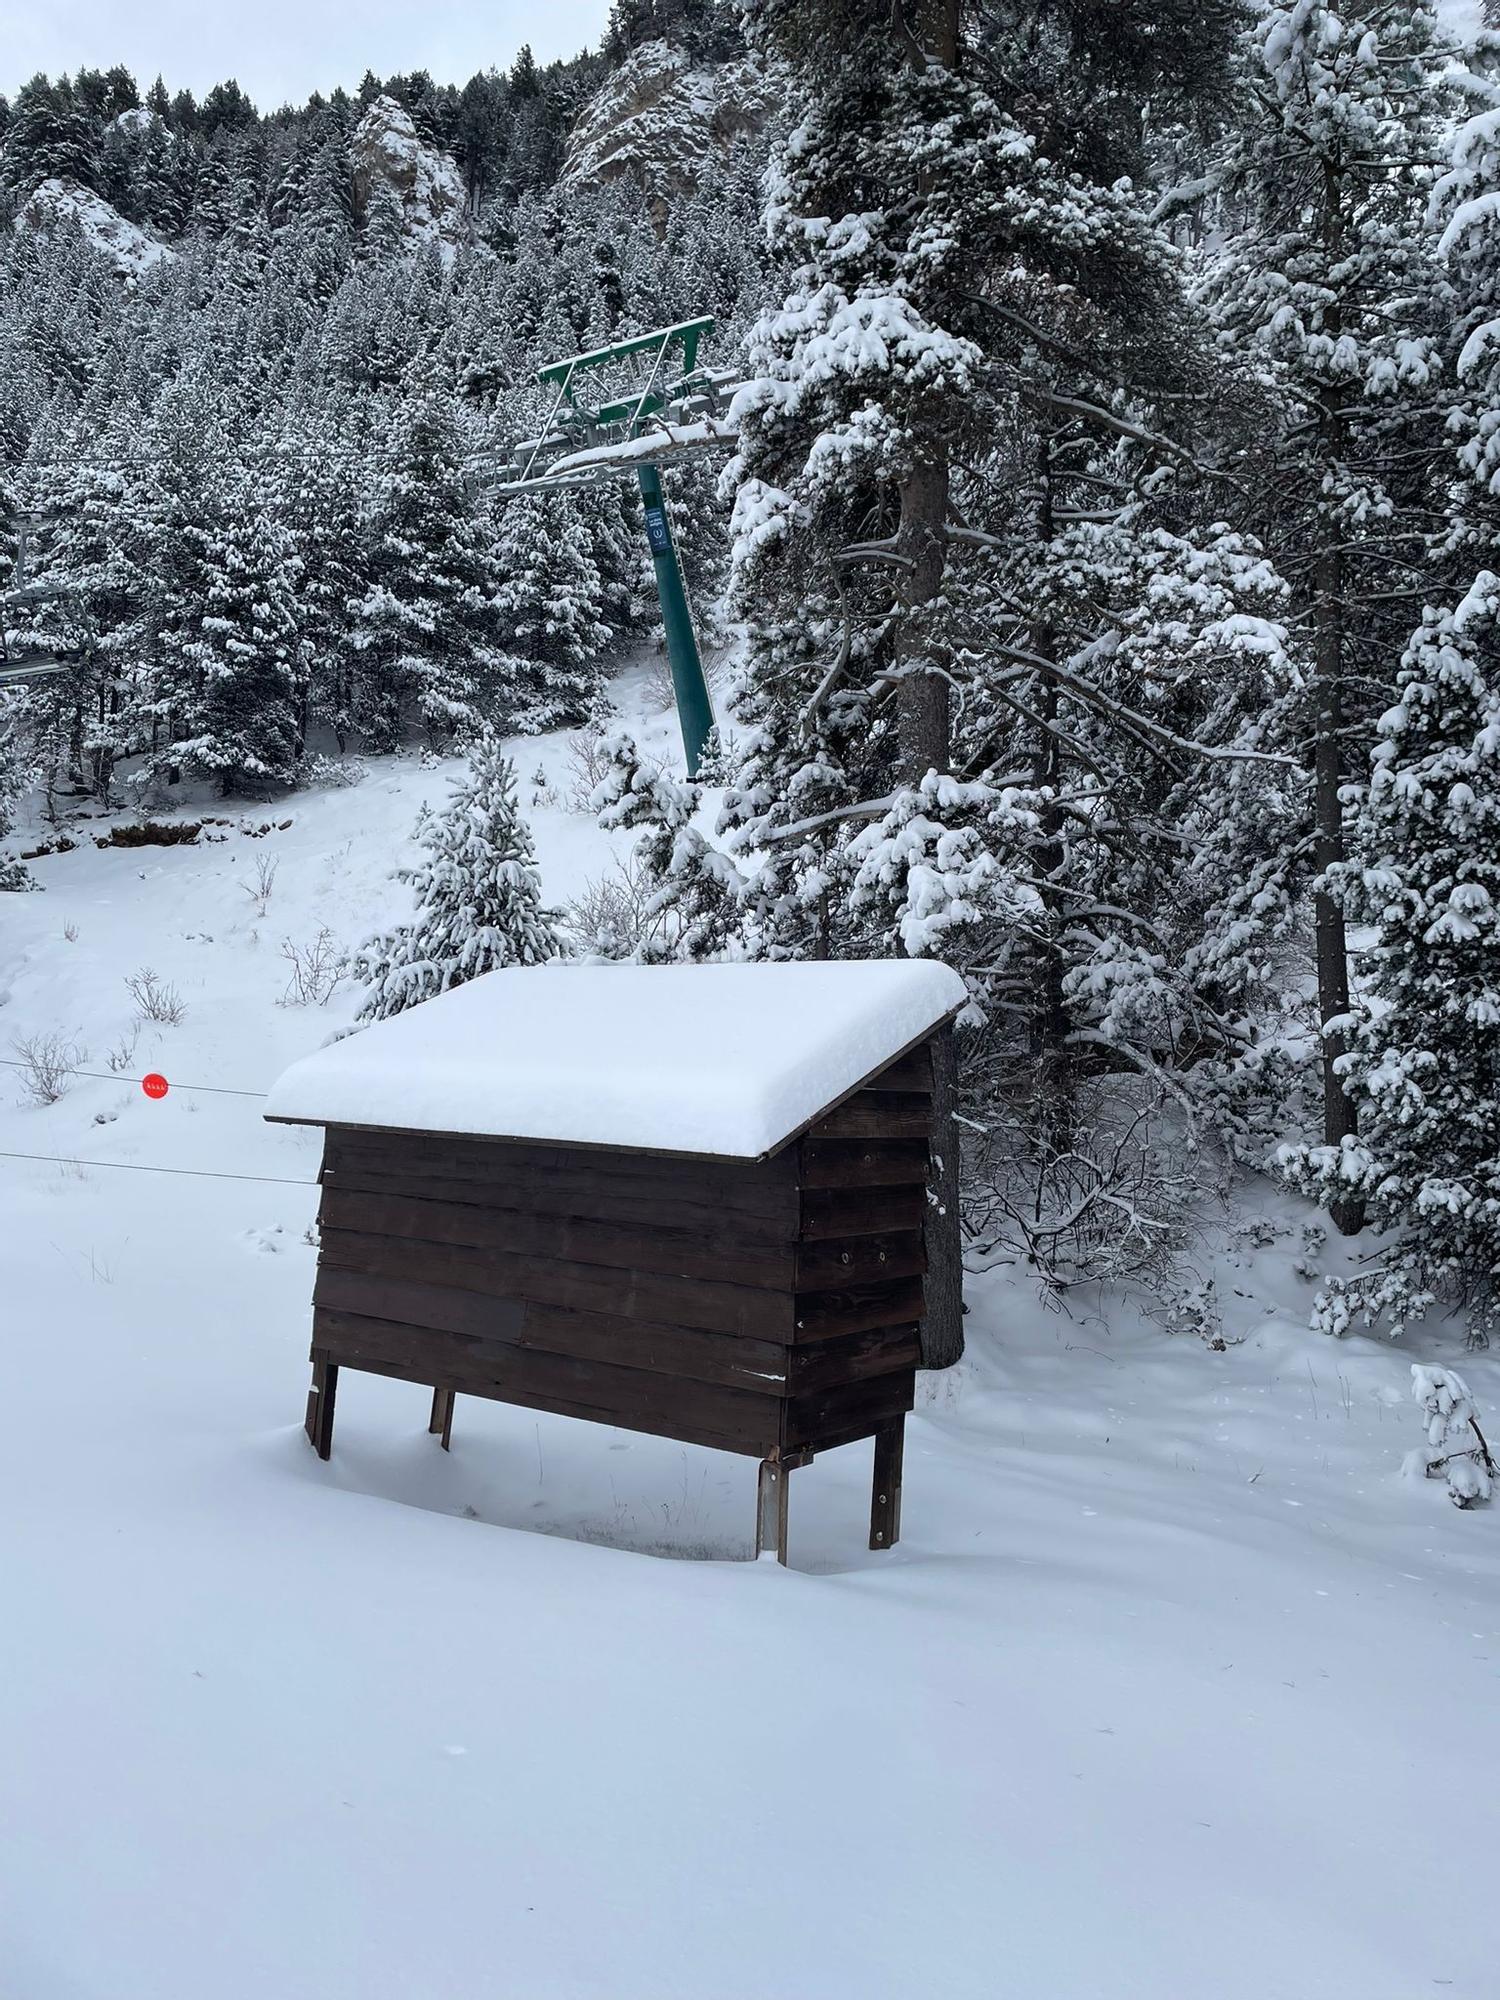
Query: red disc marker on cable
point(154, 1085)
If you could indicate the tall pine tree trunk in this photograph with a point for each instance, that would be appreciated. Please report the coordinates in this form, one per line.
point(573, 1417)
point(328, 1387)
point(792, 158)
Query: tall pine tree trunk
point(1340, 1119)
point(1330, 644)
point(1056, 1081)
point(930, 31)
point(926, 745)
point(1057, 1084)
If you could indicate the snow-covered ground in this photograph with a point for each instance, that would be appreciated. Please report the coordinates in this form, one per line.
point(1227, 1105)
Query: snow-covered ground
point(1174, 1687)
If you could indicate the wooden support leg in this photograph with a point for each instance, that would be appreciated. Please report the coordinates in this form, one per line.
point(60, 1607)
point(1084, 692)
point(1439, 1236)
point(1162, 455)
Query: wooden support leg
point(319, 1425)
point(441, 1420)
point(885, 1494)
point(770, 1513)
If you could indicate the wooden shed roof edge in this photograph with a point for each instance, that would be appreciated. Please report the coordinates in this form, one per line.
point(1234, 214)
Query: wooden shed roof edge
point(641, 1152)
point(727, 1059)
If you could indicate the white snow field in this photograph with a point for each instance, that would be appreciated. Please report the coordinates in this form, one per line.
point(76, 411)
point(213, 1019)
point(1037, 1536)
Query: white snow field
point(1176, 1686)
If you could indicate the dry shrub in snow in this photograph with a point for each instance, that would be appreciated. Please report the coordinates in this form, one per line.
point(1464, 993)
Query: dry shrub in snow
point(615, 915)
point(658, 686)
point(325, 773)
point(46, 1062)
point(122, 1056)
point(317, 969)
point(259, 890)
point(1112, 1203)
point(589, 761)
point(156, 1000)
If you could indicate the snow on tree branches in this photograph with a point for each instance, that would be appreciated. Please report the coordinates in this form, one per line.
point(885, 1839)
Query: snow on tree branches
point(1456, 1446)
point(1424, 1057)
point(477, 895)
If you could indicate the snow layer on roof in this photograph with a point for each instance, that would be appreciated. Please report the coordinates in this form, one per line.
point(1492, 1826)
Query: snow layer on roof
point(725, 1060)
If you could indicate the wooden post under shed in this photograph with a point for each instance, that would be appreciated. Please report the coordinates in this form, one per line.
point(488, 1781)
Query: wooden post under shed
point(748, 1276)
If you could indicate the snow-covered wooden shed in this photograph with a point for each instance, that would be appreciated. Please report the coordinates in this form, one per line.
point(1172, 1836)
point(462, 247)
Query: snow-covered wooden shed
point(683, 1199)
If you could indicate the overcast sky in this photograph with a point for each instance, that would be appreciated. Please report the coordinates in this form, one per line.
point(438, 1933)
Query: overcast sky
point(279, 50)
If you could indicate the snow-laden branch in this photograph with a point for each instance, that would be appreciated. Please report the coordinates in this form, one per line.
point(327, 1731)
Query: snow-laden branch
point(1177, 200)
point(1130, 718)
point(865, 809)
point(808, 718)
point(1095, 413)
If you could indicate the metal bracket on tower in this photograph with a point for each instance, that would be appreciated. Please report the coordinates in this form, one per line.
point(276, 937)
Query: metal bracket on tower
point(663, 417)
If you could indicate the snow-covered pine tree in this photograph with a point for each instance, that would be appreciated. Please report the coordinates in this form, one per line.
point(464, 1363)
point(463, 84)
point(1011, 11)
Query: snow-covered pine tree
point(15, 774)
point(426, 626)
point(1457, 1449)
point(314, 470)
point(1331, 293)
point(695, 892)
point(168, 526)
point(49, 137)
point(158, 191)
point(323, 224)
point(242, 718)
point(1465, 209)
point(84, 562)
point(944, 550)
point(1423, 1064)
point(549, 609)
point(476, 891)
point(9, 529)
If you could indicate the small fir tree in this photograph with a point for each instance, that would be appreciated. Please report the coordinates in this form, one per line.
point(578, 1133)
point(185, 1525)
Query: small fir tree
point(1457, 1449)
point(477, 893)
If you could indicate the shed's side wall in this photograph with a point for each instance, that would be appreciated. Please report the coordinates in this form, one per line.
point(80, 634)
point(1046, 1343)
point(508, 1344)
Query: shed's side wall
point(862, 1177)
point(646, 1292)
point(745, 1306)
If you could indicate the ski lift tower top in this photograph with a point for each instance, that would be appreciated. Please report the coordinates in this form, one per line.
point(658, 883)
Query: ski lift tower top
point(674, 409)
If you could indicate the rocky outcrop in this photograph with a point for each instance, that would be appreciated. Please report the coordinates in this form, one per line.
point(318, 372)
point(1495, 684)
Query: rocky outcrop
point(57, 206)
point(663, 120)
point(393, 166)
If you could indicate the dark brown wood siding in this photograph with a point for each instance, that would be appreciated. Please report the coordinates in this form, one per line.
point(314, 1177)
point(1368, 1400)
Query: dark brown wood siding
point(774, 1304)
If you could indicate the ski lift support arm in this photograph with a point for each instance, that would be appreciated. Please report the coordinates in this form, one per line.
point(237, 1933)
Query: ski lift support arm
point(631, 413)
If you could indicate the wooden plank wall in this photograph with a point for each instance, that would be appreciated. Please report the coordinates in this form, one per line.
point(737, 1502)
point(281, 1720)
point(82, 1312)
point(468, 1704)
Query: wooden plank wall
point(862, 1193)
point(752, 1307)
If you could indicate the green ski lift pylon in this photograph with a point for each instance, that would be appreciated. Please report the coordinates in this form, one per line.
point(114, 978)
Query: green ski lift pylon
point(671, 414)
point(695, 713)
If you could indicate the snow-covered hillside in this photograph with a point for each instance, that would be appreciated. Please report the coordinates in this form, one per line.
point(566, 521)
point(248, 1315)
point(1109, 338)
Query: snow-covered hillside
point(59, 206)
point(1174, 1686)
point(664, 120)
point(391, 164)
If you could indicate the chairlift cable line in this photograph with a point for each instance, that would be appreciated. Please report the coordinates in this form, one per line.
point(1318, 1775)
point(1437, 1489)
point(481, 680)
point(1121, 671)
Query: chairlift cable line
point(110, 1076)
point(137, 1167)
